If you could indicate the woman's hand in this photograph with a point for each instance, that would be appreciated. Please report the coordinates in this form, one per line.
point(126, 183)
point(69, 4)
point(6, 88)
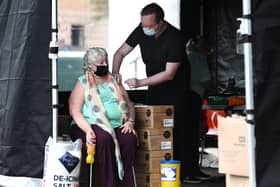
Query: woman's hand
point(127, 127)
point(90, 137)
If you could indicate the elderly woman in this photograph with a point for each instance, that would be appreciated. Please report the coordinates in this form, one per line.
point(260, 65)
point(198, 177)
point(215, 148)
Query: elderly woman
point(103, 113)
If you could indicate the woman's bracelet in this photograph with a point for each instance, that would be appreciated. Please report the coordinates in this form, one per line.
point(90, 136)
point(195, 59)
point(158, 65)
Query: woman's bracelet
point(131, 121)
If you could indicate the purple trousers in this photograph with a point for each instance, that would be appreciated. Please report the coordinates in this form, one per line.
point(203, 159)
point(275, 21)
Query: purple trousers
point(105, 155)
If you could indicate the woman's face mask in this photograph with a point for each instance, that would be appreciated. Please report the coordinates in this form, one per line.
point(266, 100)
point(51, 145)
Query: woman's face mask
point(149, 31)
point(101, 70)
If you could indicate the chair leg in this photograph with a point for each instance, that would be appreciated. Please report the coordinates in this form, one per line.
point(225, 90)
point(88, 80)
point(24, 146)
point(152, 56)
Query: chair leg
point(202, 145)
point(134, 176)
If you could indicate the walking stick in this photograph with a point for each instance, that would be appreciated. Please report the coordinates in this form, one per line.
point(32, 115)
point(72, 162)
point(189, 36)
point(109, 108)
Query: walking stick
point(90, 160)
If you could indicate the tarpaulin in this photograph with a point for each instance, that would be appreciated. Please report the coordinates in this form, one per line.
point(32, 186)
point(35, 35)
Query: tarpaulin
point(25, 86)
point(266, 27)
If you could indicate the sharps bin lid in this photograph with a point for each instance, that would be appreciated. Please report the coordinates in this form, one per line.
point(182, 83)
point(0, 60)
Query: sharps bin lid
point(169, 161)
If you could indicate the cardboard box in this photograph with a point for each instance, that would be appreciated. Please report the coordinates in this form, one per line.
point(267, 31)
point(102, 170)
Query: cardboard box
point(154, 116)
point(233, 146)
point(148, 180)
point(237, 181)
point(155, 139)
point(149, 161)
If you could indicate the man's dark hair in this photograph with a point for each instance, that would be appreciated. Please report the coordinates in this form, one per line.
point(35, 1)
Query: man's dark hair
point(153, 8)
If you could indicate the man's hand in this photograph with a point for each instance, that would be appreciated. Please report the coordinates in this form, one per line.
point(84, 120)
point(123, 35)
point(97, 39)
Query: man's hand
point(132, 83)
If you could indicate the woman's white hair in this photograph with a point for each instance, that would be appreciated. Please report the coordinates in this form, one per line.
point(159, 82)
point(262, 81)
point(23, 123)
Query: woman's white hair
point(94, 55)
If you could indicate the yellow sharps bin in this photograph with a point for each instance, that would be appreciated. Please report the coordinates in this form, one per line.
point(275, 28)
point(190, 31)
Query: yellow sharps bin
point(170, 173)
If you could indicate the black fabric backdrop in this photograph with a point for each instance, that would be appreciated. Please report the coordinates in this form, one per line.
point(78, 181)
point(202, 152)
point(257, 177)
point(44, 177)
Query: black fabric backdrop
point(266, 17)
point(25, 94)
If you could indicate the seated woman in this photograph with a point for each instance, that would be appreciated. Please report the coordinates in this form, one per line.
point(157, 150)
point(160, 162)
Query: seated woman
point(103, 113)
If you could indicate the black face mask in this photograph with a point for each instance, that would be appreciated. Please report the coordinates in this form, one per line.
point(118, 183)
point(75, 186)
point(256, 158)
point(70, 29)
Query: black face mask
point(101, 70)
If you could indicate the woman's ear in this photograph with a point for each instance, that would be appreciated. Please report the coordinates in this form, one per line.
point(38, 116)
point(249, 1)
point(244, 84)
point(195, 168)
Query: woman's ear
point(94, 68)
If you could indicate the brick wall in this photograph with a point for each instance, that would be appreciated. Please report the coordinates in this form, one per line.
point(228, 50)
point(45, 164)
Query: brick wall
point(94, 18)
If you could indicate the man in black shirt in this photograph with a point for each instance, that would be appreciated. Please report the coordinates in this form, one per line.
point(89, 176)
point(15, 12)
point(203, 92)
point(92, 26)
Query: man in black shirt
point(162, 49)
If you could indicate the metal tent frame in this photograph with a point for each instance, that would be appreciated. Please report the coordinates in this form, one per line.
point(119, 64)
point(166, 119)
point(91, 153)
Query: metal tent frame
point(53, 55)
point(246, 41)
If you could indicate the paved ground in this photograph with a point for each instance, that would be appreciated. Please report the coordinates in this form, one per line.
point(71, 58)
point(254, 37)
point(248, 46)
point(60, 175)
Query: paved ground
point(217, 180)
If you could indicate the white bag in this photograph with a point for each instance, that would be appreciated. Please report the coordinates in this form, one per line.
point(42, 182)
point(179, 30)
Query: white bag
point(62, 163)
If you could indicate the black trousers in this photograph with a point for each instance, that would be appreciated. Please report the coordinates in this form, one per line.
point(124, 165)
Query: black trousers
point(191, 137)
point(105, 155)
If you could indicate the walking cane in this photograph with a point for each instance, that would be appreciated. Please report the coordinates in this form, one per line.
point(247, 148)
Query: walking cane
point(90, 160)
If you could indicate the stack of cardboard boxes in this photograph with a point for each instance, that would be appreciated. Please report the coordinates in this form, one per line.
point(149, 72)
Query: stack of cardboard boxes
point(154, 126)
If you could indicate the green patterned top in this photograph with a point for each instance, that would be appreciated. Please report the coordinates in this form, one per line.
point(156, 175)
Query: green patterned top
point(110, 103)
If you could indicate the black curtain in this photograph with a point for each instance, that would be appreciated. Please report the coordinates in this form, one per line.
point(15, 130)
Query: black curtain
point(25, 91)
point(190, 18)
point(219, 30)
point(266, 20)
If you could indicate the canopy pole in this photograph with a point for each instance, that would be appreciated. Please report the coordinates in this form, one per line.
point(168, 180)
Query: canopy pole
point(53, 55)
point(246, 41)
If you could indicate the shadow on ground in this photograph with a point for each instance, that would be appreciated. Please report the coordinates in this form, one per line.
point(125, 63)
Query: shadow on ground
point(217, 179)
